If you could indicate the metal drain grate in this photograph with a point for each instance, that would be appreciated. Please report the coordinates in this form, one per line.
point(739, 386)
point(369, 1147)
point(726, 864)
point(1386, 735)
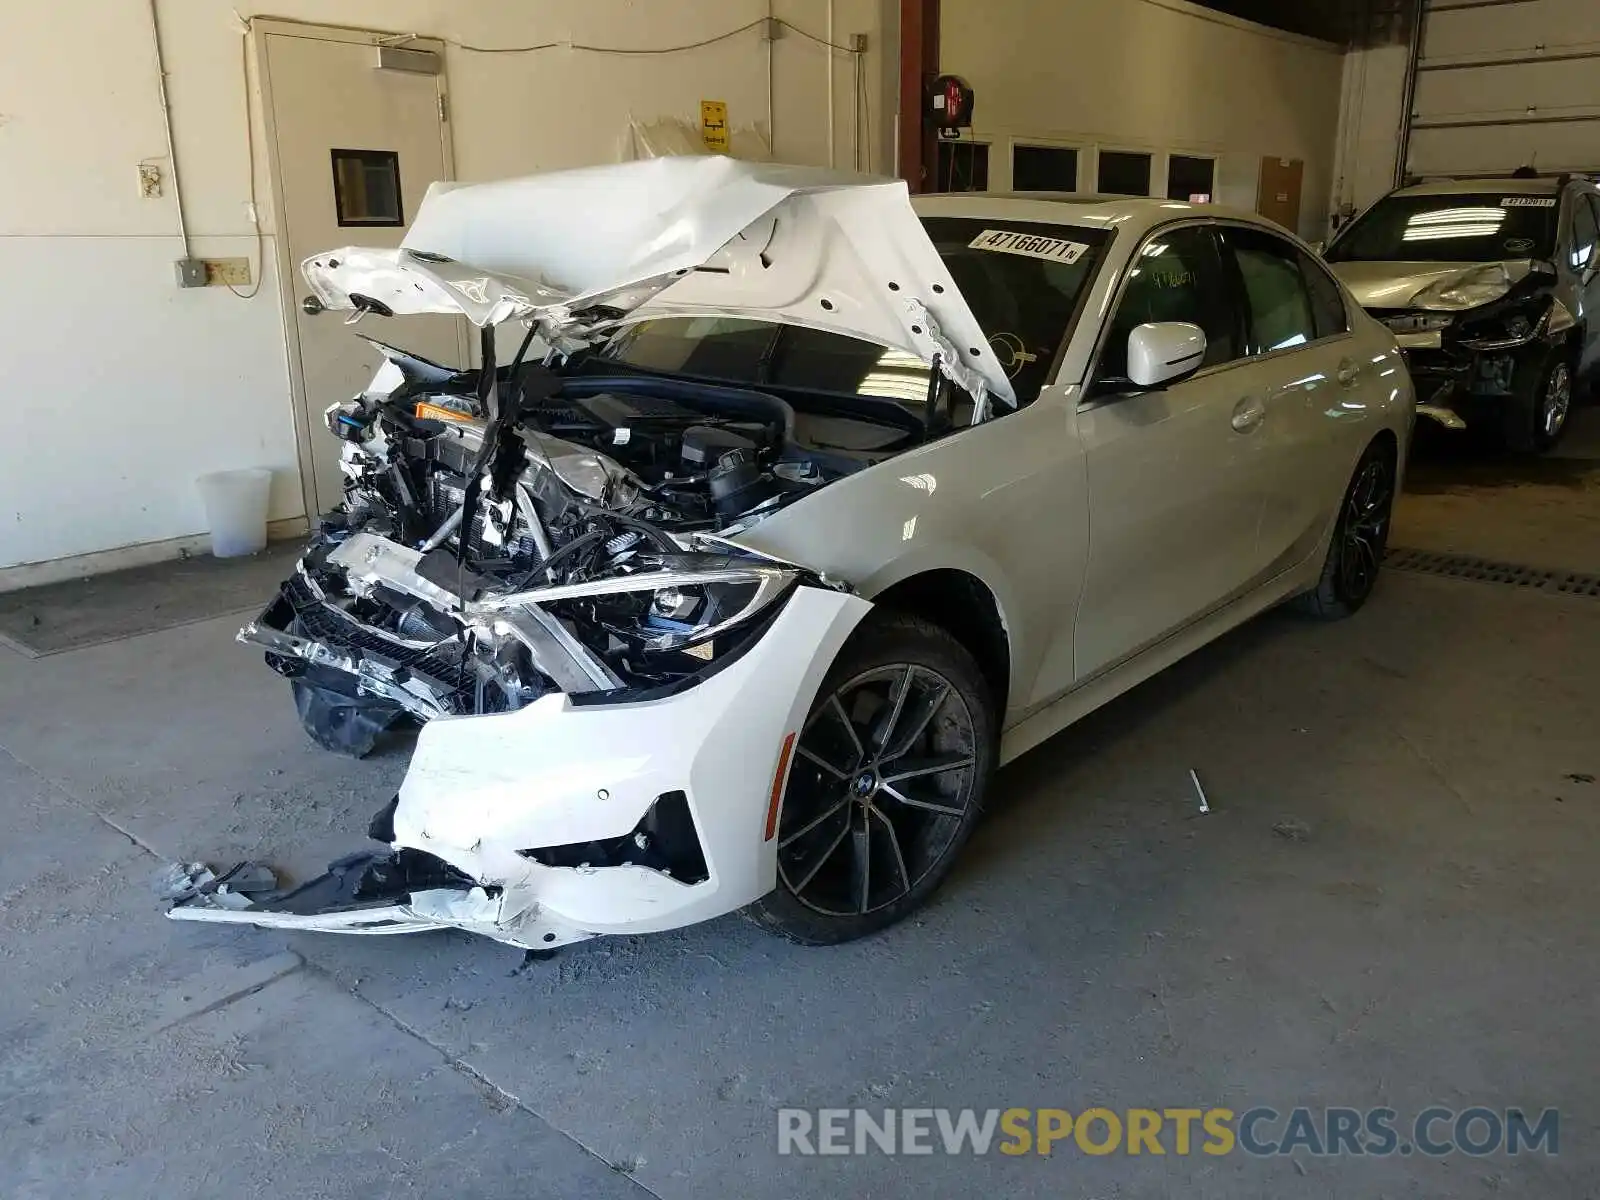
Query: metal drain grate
point(1484, 570)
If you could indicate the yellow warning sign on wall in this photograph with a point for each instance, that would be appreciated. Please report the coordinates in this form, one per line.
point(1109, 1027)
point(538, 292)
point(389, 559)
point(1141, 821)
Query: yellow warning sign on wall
point(714, 125)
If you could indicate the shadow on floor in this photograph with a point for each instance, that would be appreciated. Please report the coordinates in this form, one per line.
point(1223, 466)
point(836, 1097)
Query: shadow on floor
point(1450, 461)
point(122, 604)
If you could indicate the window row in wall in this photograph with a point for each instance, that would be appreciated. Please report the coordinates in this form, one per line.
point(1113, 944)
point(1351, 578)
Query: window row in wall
point(964, 167)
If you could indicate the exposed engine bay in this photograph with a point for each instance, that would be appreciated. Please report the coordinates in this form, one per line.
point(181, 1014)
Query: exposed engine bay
point(551, 526)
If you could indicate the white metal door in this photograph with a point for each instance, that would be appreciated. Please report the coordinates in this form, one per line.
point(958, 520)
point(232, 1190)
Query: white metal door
point(1506, 83)
point(354, 148)
point(1175, 473)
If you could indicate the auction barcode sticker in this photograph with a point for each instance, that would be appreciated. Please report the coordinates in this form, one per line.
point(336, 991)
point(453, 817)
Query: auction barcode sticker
point(1006, 241)
point(1528, 202)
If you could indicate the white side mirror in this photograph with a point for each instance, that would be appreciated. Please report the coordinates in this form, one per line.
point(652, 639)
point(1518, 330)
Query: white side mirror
point(1163, 351)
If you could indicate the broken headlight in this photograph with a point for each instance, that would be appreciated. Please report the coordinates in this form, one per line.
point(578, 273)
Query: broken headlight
point(656, 611)
point(1509, 325)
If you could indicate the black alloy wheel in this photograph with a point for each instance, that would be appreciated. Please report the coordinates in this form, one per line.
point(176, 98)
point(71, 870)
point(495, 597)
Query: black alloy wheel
point(886, 782)
point(1536, 414)
point(1360, 537)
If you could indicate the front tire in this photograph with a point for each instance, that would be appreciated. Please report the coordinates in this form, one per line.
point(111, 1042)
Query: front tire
point(887, 782)
point(1360, 537)
point(1536, 416)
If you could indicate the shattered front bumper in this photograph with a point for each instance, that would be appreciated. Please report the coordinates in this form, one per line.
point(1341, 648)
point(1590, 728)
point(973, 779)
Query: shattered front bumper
point(515, 825)
point(1442, 381)
point(316, 642)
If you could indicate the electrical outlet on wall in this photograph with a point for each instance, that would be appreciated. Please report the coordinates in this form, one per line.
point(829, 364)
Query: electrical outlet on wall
point(150, 181)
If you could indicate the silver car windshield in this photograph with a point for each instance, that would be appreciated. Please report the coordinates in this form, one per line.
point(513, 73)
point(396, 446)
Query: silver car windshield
point(1465, 227)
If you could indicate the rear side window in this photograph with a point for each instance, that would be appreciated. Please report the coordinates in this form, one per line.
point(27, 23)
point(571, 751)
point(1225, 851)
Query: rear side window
point(1176, 276)
point(1327, 301)
point(1277, 299)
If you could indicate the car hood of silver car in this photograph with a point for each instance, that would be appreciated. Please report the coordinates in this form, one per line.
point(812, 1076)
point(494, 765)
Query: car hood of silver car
point(580, 253)
point(1428, 285)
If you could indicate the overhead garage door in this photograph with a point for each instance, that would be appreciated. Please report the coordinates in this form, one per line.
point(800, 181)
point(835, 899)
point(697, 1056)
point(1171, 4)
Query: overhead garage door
point(1504, 83)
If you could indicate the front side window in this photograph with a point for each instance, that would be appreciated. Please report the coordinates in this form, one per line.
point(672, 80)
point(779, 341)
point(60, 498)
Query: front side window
point(1176, 276)
point(1278, 301)
point(1461, 227)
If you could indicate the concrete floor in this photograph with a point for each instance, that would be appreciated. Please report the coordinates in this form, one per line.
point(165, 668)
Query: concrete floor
point(1542, 512)
point(1392, 904)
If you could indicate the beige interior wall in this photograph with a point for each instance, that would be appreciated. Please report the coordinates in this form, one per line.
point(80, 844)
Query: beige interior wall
point(1369, 126)
point(1156, 75)
point(128, 387)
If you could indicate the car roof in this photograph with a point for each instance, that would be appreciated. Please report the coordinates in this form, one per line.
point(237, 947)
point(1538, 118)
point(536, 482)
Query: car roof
point(1546, 186)
point(1074, 208)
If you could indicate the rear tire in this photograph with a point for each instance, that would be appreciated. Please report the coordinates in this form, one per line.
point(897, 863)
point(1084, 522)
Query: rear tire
point(886, 784)
point(1360, 536)
point(1542, 392)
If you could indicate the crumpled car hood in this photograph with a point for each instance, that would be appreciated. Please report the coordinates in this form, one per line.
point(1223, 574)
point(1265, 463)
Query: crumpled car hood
point(580, 253)
point(1398, 284)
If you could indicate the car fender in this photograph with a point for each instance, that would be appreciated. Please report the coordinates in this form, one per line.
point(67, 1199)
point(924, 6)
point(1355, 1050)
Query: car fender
point(1005, 502)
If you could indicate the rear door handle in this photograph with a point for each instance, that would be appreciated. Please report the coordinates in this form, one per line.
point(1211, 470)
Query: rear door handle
point(1248, 414)
point(1349, 372)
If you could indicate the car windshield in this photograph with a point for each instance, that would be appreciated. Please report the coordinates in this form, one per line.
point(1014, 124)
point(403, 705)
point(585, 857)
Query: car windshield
point(1023, 281)
point(1464, 227)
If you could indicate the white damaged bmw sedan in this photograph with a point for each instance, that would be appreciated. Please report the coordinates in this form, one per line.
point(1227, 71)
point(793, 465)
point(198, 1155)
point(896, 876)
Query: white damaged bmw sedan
point(800, 506)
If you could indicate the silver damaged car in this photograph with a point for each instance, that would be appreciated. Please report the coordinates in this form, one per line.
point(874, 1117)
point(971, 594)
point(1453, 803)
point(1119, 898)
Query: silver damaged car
point(1492, 287)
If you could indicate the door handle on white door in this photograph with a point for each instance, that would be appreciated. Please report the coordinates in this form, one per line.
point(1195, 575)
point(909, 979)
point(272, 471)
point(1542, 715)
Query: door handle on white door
point(1349, 371)
point(1249, 413)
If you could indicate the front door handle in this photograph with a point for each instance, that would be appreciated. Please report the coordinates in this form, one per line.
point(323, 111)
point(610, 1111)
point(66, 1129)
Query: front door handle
point(1349, 372)
point(1249, 413)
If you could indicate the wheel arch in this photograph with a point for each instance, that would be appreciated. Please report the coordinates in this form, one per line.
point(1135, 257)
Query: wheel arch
point(1386, 438)
point(966, 608)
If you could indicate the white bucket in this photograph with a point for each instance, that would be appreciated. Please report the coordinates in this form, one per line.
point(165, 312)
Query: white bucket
point(236, 510)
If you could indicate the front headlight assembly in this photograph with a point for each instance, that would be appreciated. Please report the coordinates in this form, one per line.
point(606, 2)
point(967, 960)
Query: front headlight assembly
point(668, 610)
point(1513, 324)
